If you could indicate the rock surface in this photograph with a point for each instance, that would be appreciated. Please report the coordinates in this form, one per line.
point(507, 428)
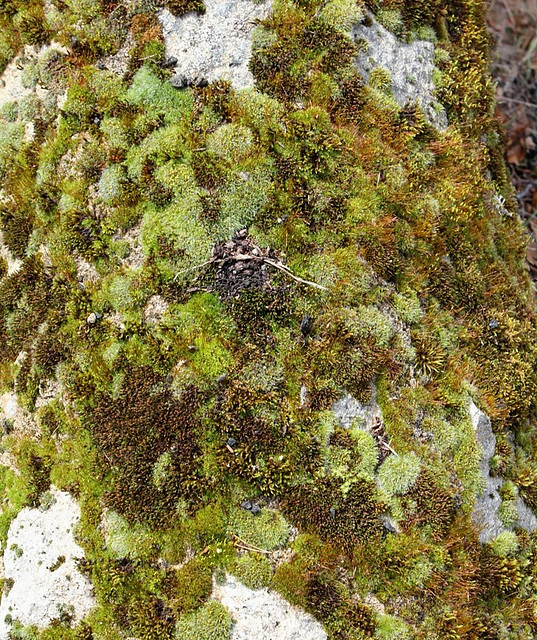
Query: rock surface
point(348, 410)
point(488, 503)
point(213, 46)
point(264, 614)
point(40, 563)
point(410, 65)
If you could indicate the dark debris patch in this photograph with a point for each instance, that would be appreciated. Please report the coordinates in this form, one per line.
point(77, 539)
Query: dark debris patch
point(240, 265)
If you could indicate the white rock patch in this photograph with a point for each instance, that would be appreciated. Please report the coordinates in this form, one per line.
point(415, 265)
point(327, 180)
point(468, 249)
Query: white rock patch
point(348, 410)
point(40, 560)
point(486, 509)
point(12, 88)
point(216, 45)
point(410, 65)
point(264, 614)
point(155, 309)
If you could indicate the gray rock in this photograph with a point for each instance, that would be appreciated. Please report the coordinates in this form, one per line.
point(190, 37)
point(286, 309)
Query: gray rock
point(40, 558)
point(215, 45)
point(486, 509)
point(526, 517)
point(348, 410)
point(262, 613)
point(410, 65)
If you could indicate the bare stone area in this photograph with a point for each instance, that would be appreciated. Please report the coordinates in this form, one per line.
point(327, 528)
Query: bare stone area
point(213, 46)
point(155, 309)
point(40, 566)
point(348, 410)
point(411, 66)
point(488, 503)
point(12, 85)
point(262, 613)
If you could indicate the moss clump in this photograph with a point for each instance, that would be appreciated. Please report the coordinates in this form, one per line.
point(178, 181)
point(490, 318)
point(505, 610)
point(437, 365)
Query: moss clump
point(391, 628)
point(253, 570)
point(266, 530)
point(124, 540)
point(190, 586)
point(210, 622)
point(397, 474)
point(341, 14)
point(180, 7)
point(151, 421)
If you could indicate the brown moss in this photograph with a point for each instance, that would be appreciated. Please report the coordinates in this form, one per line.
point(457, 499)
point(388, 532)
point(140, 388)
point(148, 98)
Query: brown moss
point(435, 507)
point(133, 431)
point(180, 7)
point(321, 508)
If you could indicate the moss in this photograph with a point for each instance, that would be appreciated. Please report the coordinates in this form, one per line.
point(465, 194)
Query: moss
point(398, 473)
point(390, 628)
point(243, 199)
point(210, 622)
point(226, 398)
point(504, 544)
point(174, 237)
point(125, 541)
point(266, 530)
point(180, 7)
point(390, 19)
point(231, 143)
point(190, 586)
point(341, 14)
point(150, 92)
point(253, 570)
point(11, 138)
point(111, 184)
point(408, 307)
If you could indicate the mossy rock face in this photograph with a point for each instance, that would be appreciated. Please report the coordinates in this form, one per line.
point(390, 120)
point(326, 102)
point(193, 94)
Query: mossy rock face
point(245, 326)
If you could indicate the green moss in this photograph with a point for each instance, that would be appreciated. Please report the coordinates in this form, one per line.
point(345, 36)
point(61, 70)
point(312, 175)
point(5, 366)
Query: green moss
point(253, 570)
point(370, 321)
point(231, 143)
point(398, 473)
point(150, 92)
point(124, 540)
point(266, 530)
point(408, 307)
point(174, 237)
point(111, 184)
point(210, 622)
point(11, 139)
point(190, 586)
point(341, 14)
point(390, 19)
point(243, 199)
point(391, 628)
point(505, 544)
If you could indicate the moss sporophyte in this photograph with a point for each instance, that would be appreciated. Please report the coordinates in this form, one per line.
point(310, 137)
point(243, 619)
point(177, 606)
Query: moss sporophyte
point(282, 296)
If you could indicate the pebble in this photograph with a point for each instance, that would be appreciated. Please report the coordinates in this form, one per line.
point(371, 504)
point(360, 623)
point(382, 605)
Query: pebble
point(170, 62)
point(247, 505)
point(305, 325)
point(92, 318)
point(255, 509)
